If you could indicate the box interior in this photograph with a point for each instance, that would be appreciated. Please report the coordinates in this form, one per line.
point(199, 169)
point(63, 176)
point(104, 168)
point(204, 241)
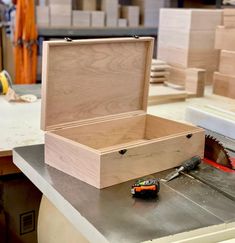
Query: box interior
point(116, 134)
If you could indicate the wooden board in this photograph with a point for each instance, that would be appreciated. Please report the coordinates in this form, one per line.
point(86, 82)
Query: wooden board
point(87, 5)
point(229, 18)
point(224, 85)
point(42, 16)
point(81, 18)
point(227, 62)
point(190, 19)
point(97, 19)
point(160, 94)
point(110, 7)
point(195, 81)
point(61, 15)
point(100, 77)
point(225, 38)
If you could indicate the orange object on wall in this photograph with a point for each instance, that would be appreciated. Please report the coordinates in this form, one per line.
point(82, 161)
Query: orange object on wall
point(25, 39)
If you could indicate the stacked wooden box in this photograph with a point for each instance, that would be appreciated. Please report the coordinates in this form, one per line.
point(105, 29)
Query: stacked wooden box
point(186, 39)
point(110, 7)
point(224, 79)
point(60, 12)
point(131, 13)
point(42, 16)
point(149, 10)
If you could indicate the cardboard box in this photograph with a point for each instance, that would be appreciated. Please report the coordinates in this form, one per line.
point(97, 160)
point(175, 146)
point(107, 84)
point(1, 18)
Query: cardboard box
point(105, 137)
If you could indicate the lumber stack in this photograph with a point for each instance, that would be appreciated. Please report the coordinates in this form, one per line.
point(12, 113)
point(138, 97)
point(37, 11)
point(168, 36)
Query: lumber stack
point(186, 40)
point(224, 79)
point(159, 71)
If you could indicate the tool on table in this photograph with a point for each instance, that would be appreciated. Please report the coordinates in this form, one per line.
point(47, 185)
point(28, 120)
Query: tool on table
point(216, 152)
point(5, 82)
point(185, 167)
point(146, 188)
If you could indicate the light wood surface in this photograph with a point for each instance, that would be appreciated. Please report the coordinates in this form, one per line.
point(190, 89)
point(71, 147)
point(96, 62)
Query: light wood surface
point(227, 62)
point(225, 38)
point(92, 153)
point(195, 81)
point(224, 85)
point(86, 79)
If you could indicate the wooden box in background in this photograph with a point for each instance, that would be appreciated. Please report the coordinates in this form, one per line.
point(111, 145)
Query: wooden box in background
point(42, 16)
point(81, 18)
point(225, 38)
point(132, 14)
point(97, 19)
point(61, 15)
point(186, 38)
point(88, 5)
point(110, 7)
point(96, 122)
point(224, 85)
point(227, 62)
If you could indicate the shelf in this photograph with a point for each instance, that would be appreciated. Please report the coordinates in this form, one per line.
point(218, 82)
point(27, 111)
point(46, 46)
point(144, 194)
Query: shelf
point(93, 32)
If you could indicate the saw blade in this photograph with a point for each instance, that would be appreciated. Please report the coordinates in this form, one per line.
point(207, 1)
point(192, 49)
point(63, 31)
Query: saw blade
point(215, 151)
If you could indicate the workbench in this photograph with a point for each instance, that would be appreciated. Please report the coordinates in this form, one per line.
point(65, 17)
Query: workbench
point(112, 214)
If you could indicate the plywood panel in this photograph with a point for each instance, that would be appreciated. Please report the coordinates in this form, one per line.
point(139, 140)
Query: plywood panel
point(87, 79)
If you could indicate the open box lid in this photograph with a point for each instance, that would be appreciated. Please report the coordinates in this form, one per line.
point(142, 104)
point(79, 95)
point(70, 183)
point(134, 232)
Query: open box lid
point(86, 80)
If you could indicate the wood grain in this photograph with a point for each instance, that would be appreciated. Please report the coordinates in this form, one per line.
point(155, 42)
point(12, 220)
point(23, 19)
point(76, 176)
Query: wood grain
point(227, 62)
point(224, 85)
point(225, 38)
point(92, 78)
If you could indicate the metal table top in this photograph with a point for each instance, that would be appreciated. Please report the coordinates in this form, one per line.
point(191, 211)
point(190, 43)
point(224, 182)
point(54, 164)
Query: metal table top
point(113, 215)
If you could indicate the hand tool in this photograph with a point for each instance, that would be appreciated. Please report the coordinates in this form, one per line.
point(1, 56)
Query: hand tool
point(185, 167)
point(146, 188)
point(5, 82)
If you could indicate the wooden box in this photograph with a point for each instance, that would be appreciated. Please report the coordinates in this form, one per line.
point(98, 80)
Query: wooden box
point(42, 16)
point(132, 14)
point(94, 102)
point(97, 18)
point(81, 18)
point(224, 85)
point(225, 38)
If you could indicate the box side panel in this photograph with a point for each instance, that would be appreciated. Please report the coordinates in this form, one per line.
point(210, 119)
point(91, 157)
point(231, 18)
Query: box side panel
point(224, 85)
point(157, 127)
point(107, 133)
point(227, 62)
point(225, 38)
point(146, 159)
point(72, 159)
